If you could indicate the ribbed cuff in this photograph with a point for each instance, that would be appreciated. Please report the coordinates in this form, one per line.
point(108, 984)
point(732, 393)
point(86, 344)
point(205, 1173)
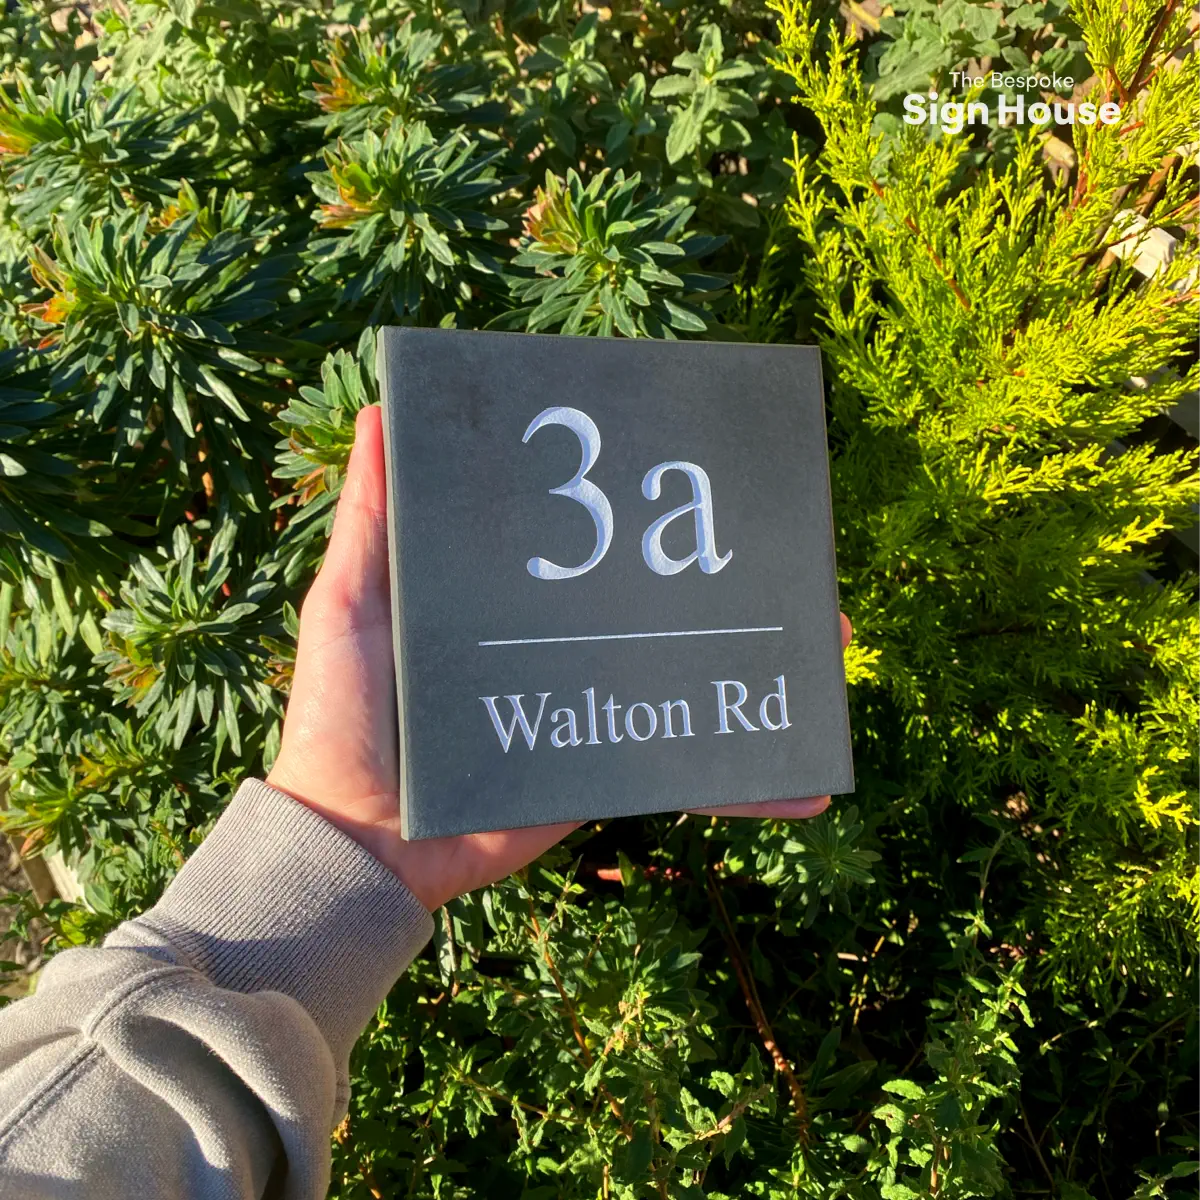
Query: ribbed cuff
point(278, 899)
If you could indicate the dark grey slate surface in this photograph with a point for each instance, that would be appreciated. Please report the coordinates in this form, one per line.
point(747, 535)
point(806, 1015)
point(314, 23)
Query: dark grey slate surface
point(470, 506)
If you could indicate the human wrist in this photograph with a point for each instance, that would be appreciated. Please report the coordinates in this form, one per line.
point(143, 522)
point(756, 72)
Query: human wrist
point(381, 840)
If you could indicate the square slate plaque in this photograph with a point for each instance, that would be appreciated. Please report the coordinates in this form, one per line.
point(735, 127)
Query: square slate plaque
point(613, 577)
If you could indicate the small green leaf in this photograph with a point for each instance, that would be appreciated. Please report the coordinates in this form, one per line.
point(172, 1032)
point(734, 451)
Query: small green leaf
point(905, 1088)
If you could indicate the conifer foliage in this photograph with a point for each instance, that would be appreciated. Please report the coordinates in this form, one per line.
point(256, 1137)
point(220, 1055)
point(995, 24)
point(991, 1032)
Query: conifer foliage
point(976, 977)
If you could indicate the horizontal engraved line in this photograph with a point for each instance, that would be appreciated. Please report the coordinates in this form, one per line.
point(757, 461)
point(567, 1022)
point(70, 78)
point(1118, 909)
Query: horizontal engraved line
point(619, 637)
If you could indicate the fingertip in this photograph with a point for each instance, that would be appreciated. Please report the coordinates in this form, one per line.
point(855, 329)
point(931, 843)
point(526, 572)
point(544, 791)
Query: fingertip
point(368, 420)
point(847, 631)
point(801, 810)
point(368, 437)
point(365, 470)
point(772, 810)
point(356, 558)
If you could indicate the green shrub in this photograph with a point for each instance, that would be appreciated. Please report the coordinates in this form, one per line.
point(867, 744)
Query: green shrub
point(975, 979)
point(993, 540)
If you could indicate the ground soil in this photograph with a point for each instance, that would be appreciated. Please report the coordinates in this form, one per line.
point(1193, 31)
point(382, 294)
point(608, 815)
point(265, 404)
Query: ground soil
point(20, 957)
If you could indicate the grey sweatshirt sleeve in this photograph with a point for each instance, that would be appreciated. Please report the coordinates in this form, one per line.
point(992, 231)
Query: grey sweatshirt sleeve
point(202, 1051)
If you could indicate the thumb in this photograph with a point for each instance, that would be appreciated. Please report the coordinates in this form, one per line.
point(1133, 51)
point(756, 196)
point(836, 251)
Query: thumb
point(356, 562)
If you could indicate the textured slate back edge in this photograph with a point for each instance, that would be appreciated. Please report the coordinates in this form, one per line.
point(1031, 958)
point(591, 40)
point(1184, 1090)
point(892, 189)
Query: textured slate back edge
point(837, 600)
point(386, 348)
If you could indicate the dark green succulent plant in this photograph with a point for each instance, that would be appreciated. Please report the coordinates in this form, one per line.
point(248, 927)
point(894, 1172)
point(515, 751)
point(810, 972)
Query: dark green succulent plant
point(609, 258)
point(70, 147)
point(44, 505)
point(181, 640)
point(159, 331)
point(418, 216)
point(410, 74)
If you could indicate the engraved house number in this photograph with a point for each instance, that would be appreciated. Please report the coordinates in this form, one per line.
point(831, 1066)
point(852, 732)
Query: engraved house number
point(583, 491)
